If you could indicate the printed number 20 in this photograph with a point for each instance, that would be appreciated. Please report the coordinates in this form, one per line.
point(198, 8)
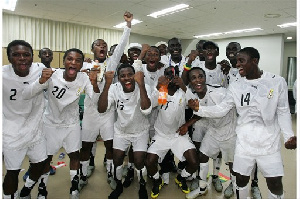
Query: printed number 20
point(246, 99)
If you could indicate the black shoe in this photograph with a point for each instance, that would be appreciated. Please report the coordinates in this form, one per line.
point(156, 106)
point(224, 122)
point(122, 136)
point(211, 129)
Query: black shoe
point(117, 192)
point(42, 190)
point(157, 185)
point(129, 177)
point(143, 191)
point(181, 182)
point(75, 183)
point(25, 192)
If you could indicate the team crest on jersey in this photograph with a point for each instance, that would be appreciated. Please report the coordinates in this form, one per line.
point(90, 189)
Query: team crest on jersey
point(79, 91)
point(270, 95)
point(180, 101)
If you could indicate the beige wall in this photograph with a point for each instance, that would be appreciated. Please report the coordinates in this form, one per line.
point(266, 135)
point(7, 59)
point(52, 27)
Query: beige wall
point(57, 58)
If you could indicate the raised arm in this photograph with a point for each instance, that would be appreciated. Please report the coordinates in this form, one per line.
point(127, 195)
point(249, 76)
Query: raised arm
point(103, 99)
point(145, 101)
point(188, 66)
point(39, 85)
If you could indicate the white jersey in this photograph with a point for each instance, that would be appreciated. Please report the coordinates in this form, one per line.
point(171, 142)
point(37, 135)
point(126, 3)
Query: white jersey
point(131, 119)
point(91, 114)
point(167, 61)
point(233, 75)
point(222, 128)
point(151, 78)
point(215, 77)
point(21, 118)
point(171, 115)
point(263, 111)
point(63, 97)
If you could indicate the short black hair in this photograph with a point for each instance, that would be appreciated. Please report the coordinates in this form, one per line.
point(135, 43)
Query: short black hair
point(251, 52)
point(95, 42)
point(198, 44)
point(40, 51)
point(73, 50)
point(195, 68)
point(174, 38)
point(156, 49)
point(16, 43)
point(210, 43)
point(125, 66)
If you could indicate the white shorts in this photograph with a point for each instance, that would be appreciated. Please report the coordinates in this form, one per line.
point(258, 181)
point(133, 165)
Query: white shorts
point(269, 165)
point(98, 124)
point(139, 143)
point(212, 147)
point(67, 137)
point(36, 153)
point(161, 145)
point(198, 133)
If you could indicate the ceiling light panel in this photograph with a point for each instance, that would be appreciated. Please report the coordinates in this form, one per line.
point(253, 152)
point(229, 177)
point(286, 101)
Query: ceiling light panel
point(9, 4)
point(286, 25)
point(229, 32)
point(171, 10)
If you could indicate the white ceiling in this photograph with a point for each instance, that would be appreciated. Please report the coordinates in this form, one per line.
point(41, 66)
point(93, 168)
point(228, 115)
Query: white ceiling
point(205, 16)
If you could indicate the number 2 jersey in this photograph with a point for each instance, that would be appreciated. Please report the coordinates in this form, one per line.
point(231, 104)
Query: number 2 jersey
point(63, 97)
point(21, 119)
point(263, 111)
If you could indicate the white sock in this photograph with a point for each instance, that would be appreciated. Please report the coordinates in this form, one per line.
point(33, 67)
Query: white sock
point(84, 166)
point(203, 171)
point(15, 195)
point(109, 165)
point(94, 149)
point(216, 166)
point(119, 172)
point(242, 192)
point(29, 183)
point(73, 173)
point(273, 196)
point(130, 165)
point(45, 177)
point(184, 173)
point(144, 173)
point(156, 176)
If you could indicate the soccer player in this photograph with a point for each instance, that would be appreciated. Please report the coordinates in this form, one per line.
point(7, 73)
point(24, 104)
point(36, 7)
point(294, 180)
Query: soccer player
point(131, 97)
point(61, 118)
point(167, 135)
point(92, 122)
point(219, 132)
point(261, 101)
point(22, 120)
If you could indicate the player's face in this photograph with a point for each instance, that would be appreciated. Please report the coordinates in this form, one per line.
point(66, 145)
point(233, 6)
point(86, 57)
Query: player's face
point(210, 53)
point(46, 56)
point(231, 50)
point(175, 48)
point(163, 49)
point(134, 53)
point(197, 81)
point(152, 58)
point(21, 59)
point(126, 78)
point(100, 50)
point(246, 65)
point(73, 63)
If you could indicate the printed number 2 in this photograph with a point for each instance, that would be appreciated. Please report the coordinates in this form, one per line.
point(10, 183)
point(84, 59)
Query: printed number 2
point(14, 94)
point(60, 93)
point(247, 99)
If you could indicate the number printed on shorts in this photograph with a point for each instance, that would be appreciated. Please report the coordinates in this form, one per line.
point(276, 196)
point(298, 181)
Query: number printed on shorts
point(14, 93)
point(58, 93)
point(245, 99)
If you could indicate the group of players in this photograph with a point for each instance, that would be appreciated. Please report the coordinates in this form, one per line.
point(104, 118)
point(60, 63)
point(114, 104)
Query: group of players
point(232, 111)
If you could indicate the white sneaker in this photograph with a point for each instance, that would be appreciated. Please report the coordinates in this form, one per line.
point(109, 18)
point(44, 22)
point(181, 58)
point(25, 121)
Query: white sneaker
point(194, 184)
point(82, 183)
point(217, 184)
point(166, 177)
point(255, 193)
point(111, 181)
point(74, 195)
point(90, 170)
point(228, 193)
point(201, 190)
